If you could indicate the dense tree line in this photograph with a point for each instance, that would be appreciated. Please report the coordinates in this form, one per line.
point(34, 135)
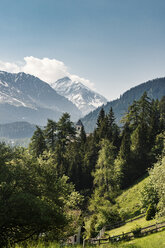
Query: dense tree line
point(44, 180)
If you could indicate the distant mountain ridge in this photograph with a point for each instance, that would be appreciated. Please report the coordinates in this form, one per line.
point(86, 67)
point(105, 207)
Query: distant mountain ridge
point(155, 90)
point(17, 130)
point(84, 98)
point(24, 97)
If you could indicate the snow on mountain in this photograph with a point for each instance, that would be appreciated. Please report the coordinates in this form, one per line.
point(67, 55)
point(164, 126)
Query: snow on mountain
point(84, 98)
point(25, 97)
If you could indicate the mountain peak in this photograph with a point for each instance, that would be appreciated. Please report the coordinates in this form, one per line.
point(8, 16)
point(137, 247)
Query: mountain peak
point(84, 98)
point(24, 97)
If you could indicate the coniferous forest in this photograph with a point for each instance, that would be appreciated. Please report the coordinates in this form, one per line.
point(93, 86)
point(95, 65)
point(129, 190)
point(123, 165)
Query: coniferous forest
point(66, 179)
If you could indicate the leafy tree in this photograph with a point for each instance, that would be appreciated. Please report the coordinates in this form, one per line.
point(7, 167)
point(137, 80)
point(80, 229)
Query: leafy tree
point(33, 200)
point(153, 192)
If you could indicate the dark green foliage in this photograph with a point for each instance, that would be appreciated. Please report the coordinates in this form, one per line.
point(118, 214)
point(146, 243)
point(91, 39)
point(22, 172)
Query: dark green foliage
point(99, 165)
point(151, 211)
point(83, 135)
point(33, 199)
point(123, 160)
point(38, 144)
point(100, 118)
point(143, 121)
point(65, 130)
point(162, 113)
point(136, 231)
point(155, 90)
point(50, 133)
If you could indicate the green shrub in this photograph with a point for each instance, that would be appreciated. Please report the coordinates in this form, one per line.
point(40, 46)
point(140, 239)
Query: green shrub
point(151, 211)
point(136, 231)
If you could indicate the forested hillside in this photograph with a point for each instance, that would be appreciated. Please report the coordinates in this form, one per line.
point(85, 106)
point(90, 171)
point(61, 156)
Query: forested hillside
point(65, 179)
point(155, 90)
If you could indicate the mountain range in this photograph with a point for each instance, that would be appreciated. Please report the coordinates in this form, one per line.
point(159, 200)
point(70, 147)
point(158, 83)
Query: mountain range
point(17, 130)
point(155, 90)
point(24, 97)
point(84, 98)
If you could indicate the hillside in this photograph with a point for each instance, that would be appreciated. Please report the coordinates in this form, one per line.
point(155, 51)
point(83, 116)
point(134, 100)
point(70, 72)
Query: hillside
point(128, 202)
point(154, 88)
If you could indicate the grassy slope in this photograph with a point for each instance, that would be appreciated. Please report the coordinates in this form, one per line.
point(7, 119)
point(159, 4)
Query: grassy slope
point(128, 202)
point(156, 240)
point(129, 226)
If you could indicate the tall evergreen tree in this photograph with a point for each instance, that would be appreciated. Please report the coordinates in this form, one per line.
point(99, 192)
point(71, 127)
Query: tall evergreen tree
point(104, 174)
point(83, 135)
point(66, 130)
point(38, 144)
point(50, 133)
point(111, 124)
point(123, 161)
point(162, 113)
point(101, 117)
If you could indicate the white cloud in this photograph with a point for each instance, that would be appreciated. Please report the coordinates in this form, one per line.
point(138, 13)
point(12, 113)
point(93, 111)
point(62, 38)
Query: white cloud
point(9, 67)
point(49, 70)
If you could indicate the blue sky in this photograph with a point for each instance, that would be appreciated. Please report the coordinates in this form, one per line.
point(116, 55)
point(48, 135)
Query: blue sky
point(116, 44)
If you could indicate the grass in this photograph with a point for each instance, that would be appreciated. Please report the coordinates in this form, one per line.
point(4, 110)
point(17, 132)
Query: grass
point(38, 245)
point(142, 222)
point(156, 240)
point(128, 202)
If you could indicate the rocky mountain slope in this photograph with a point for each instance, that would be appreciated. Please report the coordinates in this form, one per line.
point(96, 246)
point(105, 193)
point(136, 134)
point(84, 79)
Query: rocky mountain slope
point(84, 98)
point(24, 97)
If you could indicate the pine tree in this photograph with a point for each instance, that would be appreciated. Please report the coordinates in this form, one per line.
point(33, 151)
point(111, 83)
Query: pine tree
point(162, 113)
point(123, 160)
point(100, 118)
point(102, 126)
point(83, 135)
point(38, 144)
point(111, 124)
point(50, 132)
point(104, 174)
point(65, 130)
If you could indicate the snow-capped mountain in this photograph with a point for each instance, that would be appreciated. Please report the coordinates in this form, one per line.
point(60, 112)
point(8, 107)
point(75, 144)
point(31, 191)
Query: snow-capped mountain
point(84, 98)
point(24, 97)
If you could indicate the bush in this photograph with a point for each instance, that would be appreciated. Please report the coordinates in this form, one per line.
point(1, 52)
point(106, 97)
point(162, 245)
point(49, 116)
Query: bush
point(136, 231)
point(151, 211)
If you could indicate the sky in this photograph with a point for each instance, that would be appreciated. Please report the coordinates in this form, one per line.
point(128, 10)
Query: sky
point(109, 45)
